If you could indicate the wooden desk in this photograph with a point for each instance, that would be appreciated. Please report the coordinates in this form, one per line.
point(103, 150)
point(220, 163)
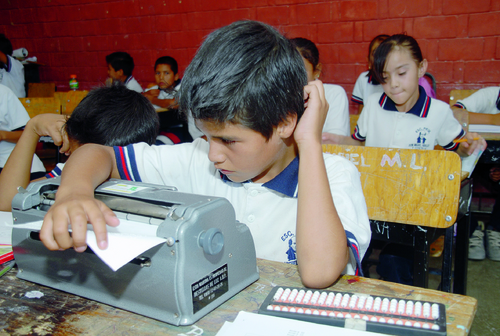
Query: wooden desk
point(59, 313)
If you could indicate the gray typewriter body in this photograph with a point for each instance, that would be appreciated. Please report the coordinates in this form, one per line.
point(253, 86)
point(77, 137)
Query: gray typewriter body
point(208, 256)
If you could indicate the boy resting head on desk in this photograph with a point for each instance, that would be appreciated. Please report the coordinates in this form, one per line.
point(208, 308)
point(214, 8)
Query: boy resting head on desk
point(111, 116)
point(247, 90)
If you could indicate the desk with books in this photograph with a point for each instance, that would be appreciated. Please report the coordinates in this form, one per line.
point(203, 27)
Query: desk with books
point(28, 308)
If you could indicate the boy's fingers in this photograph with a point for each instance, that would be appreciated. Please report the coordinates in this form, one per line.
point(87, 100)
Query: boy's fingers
point(78, 220)
point(47, 236)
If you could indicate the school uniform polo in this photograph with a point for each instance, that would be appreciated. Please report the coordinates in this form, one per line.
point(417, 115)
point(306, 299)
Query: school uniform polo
point(12, 76)
point(337, 119)
point(132, 84)
point(486, 100)
point(430, 122)
point(13, 116)
point(269, 209)
point(364, 87)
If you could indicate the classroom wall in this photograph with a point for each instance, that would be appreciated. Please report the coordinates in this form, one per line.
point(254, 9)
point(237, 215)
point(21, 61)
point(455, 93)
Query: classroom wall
point(460, 38)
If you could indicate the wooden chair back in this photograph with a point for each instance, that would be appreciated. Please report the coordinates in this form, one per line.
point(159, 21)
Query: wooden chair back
point(408, 186)
point(353, 120)
point(69, 100)
point(39, 105)
point(456, 95)
point(41, 89)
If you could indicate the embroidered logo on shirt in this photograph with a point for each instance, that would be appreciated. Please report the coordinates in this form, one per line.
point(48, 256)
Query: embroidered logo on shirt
point(421, 139)
point(291, 247)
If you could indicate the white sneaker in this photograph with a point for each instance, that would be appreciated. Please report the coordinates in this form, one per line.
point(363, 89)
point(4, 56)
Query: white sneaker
point(493, 244)
point(476, 245)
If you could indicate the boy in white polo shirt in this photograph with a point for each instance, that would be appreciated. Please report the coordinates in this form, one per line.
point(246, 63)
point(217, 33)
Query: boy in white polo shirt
point(120, 67)
point(246, 88)
point(11, 70)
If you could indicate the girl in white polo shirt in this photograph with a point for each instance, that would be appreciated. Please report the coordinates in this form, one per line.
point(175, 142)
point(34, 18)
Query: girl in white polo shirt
point(403, 116)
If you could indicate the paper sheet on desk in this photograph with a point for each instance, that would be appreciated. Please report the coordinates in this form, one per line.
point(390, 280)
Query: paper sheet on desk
point(251, 324)
point(125, 242)
point(470, 162)
point(5, 227)
point(484, 128)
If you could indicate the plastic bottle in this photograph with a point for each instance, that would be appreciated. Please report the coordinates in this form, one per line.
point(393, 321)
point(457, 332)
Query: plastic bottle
point(73, 83)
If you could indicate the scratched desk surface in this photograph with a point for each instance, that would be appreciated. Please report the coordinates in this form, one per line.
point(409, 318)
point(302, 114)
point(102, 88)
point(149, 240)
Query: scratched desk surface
point(59, 313)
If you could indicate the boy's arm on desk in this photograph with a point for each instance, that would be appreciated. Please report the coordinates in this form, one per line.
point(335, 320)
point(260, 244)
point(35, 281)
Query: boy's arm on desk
point(70, 313)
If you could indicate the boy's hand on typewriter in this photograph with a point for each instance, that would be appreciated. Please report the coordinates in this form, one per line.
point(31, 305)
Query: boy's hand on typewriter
point(76, 210)
point(311, 123)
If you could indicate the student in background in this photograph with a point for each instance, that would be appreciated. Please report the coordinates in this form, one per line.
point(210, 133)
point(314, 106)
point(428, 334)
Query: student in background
point(11, 70)
point(367, 83)
point(162, 93)
point(484, 108)
point(246, 88)
point(120, 67)
point(174, 128)
point(337, 119)
point(403, 116)
point(108, 116)
point(13, 118)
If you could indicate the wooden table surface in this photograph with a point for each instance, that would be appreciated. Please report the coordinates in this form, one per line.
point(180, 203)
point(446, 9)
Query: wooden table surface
point(59, 313)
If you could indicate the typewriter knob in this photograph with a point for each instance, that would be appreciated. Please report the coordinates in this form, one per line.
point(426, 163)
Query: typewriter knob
point(211, 241)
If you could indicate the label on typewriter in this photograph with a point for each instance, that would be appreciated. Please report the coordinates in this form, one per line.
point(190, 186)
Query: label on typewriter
point(209, 288)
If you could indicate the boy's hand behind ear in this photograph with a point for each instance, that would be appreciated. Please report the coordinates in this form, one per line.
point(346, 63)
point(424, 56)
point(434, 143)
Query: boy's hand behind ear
point(50, 124)
point(310, 126)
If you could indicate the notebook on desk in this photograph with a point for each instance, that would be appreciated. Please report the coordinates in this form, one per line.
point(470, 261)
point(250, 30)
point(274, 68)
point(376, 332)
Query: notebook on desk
point(478, 128)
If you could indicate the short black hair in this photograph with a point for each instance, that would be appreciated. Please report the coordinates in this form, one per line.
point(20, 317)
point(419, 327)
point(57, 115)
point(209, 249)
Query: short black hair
point(113, 116)
point(121, 60)
point(307, 49)
point(170, 61)
point(394, 42)
point(245, 73)
point(5, 45)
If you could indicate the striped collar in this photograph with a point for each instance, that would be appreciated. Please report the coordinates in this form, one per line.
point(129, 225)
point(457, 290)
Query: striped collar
point(420, 109)
point(498, 100)
point(285, 182)
point(371, 79)
point(129, 78)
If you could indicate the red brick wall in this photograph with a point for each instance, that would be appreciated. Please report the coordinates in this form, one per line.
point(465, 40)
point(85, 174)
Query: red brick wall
point(459, 38)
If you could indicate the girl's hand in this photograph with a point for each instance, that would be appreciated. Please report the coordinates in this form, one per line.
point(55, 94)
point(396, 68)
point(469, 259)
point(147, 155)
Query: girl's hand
point(310, 126)
point(332, 139)
point(467, 148)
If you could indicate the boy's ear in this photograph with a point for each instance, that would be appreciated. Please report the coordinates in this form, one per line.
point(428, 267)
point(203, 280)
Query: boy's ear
point(317, 72)
point(176, 77)
point(119, 73)
point(287, 127)
point(422, 69)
